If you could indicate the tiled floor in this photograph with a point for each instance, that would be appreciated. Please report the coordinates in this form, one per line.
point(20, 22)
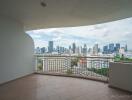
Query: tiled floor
point(42, 87)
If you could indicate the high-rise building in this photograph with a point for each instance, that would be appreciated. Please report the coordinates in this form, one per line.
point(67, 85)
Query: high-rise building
point(105, 49)
point(122, 51)
point(117, 47)
point(81, 48)
point(50, 47)
point(62, 49)
point(90, 51)
point(111, 48)
point(74, 48)
point(58, 49)
point(85, 50)
point(70, 48)
point(95, 49)
point(78, 51)
point(58, 63)
point(43, 50)
point(37, 50)
point(126, 48)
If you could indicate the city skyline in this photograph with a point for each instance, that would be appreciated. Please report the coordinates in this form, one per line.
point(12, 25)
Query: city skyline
point(103, 34)
point(112, 48)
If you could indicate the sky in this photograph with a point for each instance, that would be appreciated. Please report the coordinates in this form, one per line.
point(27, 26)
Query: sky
point(112, 32)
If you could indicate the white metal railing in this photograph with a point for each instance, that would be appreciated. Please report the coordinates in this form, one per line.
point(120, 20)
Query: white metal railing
point(91, 67)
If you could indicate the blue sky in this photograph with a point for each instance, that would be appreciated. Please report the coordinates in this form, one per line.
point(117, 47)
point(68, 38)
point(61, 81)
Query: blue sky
point(112, 32)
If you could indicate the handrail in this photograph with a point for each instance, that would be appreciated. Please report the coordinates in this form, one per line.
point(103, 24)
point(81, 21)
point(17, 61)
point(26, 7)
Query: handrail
point(104, 57)
point(84, 66)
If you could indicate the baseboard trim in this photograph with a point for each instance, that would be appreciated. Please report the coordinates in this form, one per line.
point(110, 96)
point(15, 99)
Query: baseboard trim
point(72, 76)
point(1, 84)
point(114, 87)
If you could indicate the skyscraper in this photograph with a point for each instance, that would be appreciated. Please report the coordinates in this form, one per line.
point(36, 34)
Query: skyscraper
point(58, 49)
point(70, 48)
point(126, 48)
point(74, 48)
point(105, 50)
point(95, 49)
point(78, 50)
point(43, 50)
point(85, 50)
point(50, 47)
point(117, 47)
point(111, 48)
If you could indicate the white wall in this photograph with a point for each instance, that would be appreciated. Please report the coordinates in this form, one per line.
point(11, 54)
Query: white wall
point(121, 76)
point(16, 50)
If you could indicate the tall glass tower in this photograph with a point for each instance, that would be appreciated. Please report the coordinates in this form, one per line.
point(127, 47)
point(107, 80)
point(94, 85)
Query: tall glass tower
point(74, 47)
point(50, 47)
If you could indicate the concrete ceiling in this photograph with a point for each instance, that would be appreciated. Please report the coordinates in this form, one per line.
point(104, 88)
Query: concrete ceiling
point(63, 13)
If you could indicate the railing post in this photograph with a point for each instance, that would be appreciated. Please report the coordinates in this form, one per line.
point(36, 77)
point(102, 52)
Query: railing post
point(107, 70)
point(36, 63)
point(43, 64)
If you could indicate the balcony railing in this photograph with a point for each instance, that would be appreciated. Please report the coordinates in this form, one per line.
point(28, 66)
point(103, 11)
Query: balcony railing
point(78, 66)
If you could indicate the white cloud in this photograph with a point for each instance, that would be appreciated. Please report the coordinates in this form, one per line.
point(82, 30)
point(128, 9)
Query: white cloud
point(118, 31)
point(35, 36)
point(41, 43)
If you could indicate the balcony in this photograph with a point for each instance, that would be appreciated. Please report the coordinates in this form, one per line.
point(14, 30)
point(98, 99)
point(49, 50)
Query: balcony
point(46, 83)
point(17, 52)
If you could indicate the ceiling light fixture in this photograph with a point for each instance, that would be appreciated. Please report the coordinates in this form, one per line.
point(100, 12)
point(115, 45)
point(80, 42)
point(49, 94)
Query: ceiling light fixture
point(42, 3)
